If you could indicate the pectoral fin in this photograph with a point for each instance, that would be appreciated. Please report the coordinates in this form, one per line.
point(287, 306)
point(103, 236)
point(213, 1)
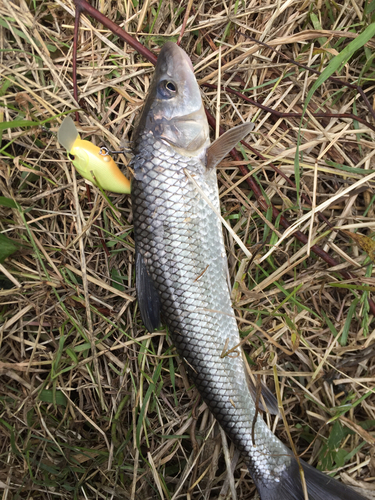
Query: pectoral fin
point(226, 142)
point(148, 297)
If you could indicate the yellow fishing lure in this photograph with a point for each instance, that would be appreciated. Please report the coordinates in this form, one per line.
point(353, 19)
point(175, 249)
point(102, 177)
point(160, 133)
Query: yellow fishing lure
point(89, 160)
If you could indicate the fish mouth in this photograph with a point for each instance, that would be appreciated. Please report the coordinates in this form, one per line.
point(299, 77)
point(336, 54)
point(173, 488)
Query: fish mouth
point(174, 67)
point(172, 52)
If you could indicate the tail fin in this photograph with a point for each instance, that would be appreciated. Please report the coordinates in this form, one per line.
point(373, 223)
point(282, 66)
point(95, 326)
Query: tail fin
point(319, 486)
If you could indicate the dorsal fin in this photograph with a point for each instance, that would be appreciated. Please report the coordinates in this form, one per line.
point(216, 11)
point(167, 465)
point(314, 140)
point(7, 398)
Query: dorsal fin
point(225, 143)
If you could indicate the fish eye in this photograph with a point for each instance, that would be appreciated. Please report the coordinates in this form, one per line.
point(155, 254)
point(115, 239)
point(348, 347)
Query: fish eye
point(71, 157)
point(167, 89)
point(170, 86)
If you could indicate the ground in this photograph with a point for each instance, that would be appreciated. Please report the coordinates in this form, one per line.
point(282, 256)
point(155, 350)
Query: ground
point(92, 405)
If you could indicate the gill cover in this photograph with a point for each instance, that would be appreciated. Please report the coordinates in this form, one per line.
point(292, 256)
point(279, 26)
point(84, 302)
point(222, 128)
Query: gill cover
point(95, 167)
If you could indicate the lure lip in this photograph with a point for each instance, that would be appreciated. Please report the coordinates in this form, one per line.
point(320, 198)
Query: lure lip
point(67, 133)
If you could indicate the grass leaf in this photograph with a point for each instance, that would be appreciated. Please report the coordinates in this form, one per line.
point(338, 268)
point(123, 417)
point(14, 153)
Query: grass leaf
point(53, 397)
point(342, 58)
point(7, 247)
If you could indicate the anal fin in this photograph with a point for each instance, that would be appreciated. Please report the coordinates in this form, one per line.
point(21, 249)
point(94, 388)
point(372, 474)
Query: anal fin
point(148, 297)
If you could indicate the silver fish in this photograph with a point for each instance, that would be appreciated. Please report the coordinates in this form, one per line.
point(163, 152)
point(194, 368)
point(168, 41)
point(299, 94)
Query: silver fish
point(181, 270)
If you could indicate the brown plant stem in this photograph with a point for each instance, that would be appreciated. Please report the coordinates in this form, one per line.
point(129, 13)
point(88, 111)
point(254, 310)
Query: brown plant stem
point(184, 22)
point(116, 30)
point(75, 50)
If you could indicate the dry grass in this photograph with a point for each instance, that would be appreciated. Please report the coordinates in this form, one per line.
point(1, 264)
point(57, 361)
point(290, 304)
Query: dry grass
point(91, 405)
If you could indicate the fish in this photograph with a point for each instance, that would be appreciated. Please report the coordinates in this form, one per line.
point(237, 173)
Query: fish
point(181, 270)
point(89, 160)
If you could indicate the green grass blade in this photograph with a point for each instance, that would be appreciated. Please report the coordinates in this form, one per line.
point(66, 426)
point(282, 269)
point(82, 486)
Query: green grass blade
point(342, 58)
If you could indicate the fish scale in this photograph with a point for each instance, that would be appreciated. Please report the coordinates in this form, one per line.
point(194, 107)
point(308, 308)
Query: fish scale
point(181, 241)
point(181, 271)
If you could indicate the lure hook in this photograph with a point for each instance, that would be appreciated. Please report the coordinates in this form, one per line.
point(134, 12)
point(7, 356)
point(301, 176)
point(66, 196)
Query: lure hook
point(105, 151)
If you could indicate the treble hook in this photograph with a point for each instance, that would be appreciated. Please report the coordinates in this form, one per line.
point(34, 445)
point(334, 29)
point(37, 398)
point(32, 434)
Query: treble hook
point(105, 151)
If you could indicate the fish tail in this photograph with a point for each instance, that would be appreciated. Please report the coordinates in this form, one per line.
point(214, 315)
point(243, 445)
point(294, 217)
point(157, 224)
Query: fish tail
point(319, 486)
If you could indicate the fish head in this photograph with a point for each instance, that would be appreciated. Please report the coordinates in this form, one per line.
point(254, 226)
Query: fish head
point(173, 111)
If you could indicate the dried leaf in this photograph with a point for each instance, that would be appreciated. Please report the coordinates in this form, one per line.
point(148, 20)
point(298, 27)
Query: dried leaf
point(366, 243)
